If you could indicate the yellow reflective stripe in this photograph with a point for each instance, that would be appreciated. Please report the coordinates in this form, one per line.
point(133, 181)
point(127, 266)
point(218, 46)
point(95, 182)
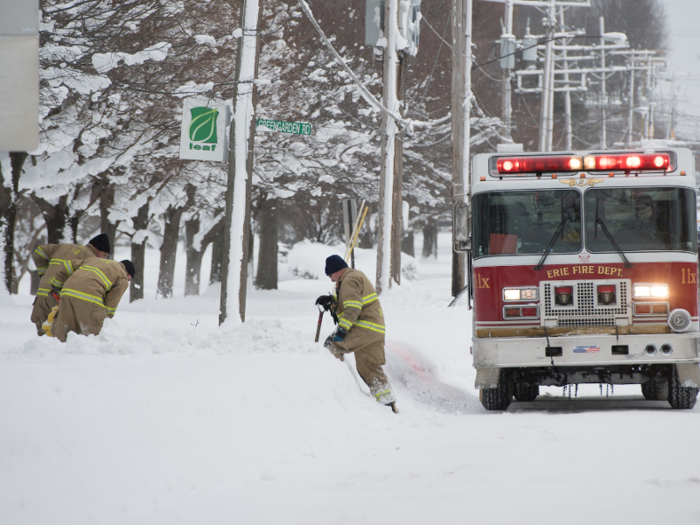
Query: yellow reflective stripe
point(369, 298)
point(67, 292)
point(69, 267)
point(352, 304)
point(345, 323)
point(41, 253)
point(371, 326)
point(56, 282)
point(382, 394)
point(42, 270)
point(110, 310)
point(99, 273)
point(43, 292)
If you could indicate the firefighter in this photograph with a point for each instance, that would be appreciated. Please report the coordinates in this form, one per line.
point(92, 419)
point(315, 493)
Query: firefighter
point(360, 326)
point(49, 258)
point(91, 293)
point(641, 232)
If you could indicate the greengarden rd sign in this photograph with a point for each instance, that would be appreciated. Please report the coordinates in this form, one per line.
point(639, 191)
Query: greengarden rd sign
point(203, 132)
point(297, 128)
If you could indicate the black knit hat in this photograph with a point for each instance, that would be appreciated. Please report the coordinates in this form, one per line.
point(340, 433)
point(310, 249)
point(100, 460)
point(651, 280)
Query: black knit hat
point(129, 267)
point(101, 242)
point(335, 263)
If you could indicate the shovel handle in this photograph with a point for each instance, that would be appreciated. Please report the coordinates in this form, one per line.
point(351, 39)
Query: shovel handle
point(318, 327)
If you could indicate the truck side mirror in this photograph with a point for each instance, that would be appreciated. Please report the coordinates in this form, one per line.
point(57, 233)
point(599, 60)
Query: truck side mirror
point(461, 226)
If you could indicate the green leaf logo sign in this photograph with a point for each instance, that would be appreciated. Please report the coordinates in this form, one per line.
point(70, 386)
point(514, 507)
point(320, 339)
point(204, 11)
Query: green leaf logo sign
point(203, 125)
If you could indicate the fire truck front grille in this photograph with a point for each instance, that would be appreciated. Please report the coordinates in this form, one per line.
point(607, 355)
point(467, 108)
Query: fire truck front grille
point(585, 311)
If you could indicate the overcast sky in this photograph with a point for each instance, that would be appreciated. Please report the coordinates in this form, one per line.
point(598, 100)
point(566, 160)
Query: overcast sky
point(684, 57)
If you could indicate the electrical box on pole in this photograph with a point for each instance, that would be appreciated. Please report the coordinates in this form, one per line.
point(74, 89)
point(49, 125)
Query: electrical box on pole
point(529, 49)
point(507, 51)
point(19, 81)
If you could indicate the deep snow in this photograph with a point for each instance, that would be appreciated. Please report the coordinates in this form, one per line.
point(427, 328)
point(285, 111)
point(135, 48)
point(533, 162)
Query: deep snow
point(166, 418)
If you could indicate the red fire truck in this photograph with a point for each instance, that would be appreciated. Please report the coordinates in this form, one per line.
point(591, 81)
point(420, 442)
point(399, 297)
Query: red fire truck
point(583, 269)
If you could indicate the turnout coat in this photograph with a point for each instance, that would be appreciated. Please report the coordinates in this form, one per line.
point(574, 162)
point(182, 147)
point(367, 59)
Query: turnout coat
point(91, 293)
point(50, 259)
point(358, 310)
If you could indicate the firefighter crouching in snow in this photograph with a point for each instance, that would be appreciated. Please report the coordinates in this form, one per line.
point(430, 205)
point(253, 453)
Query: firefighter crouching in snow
point(49, 259)
point(360, 326)
point(91, 293)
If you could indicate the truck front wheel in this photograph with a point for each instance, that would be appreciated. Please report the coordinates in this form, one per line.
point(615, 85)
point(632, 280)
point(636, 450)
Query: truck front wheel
point(680, 396)
point(497, 398)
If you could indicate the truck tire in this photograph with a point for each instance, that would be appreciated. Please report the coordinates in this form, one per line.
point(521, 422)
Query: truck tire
point(525, 392)
point(496, 398)
point(680, 397)
point(650, 390)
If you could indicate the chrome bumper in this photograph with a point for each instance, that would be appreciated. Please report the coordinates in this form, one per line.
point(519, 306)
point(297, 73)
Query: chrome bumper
point(580, 350)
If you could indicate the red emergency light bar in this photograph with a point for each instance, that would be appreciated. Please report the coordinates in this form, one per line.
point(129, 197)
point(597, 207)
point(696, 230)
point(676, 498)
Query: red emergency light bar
point(627, 162)
point(568, 163)
point(515, 165)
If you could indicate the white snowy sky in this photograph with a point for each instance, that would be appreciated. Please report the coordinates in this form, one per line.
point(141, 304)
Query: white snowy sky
point(684, 57)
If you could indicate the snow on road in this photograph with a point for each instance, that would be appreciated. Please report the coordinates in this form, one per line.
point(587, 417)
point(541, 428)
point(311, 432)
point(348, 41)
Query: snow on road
point(166, 418)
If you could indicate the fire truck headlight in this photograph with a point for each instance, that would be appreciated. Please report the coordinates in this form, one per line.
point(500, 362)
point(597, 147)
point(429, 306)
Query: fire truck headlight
point(520, 294)
point(650, 291)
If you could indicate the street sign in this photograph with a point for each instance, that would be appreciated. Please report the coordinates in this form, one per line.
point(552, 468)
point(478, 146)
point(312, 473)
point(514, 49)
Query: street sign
point(297, 128)
point(203, 133)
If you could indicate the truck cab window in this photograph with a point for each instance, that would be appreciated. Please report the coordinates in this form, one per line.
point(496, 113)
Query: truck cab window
point(524, 222)
point(641, 219)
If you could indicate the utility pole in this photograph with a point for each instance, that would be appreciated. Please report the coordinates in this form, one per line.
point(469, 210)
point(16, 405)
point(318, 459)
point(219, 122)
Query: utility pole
point(630, 128)
point(234, 271)
point(509, 40)
point(461, 108)
point(397, 194)
point(567, 94)
point(546, 121)
point(603, 88)
point(388, 148)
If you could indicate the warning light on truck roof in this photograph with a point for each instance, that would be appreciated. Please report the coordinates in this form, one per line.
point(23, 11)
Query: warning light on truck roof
point(568, 163)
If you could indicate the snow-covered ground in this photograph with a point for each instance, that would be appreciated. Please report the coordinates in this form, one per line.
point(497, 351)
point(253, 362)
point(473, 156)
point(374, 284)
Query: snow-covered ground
point(165, 418)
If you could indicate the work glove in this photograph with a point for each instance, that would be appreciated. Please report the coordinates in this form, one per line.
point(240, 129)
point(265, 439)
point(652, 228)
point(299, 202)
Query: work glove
point(328, 343)
point(339, 335)
point(46, 326)
point(325, 301)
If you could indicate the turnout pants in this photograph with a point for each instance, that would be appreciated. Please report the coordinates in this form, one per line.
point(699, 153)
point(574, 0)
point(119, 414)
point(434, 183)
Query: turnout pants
point(369, 358)
point(75, 315)
point(41, 311)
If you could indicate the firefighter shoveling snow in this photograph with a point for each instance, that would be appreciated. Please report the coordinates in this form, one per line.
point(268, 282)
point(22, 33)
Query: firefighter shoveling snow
point(166, 418)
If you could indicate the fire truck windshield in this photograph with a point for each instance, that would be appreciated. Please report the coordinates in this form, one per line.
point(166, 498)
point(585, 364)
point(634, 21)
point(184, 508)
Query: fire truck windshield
point(524, 222)
point(641, 219)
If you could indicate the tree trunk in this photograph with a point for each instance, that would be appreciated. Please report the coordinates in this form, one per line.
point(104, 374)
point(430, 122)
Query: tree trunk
point(217, 256)
point(8, 217)
point(55, 216)
point(266, 278)
point(36, 280)
point(429, 238)
point(106, 203)
point(168, 251)
point(138, 254)
point(407, 244)
point(366, 238)
point(195, 253)
point(194, 258)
